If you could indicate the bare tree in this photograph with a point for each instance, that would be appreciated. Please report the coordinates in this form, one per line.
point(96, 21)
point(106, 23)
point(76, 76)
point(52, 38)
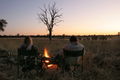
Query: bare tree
point(2, 24)
point(50, 17)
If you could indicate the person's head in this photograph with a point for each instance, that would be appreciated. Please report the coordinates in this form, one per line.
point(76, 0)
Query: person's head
point(73, 39)
point(28, 40)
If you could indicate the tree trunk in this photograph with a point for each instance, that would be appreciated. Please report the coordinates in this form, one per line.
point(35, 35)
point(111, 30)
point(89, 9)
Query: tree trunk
point(50, 34)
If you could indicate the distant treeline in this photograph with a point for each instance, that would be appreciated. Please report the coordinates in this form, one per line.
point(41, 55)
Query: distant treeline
point(80, 37)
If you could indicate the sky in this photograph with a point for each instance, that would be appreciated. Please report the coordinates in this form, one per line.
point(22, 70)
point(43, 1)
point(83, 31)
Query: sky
point(80, 17)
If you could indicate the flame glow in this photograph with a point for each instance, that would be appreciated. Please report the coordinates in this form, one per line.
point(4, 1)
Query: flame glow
point(52, 66)
point(47, 61)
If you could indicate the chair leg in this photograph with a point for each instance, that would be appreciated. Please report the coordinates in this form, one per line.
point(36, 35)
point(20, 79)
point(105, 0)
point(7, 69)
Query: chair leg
point(82, 64)
point(17, 71)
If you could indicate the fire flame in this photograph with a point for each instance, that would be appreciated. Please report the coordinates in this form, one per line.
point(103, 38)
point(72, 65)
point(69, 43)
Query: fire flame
point(46, 53)
point(49, 66)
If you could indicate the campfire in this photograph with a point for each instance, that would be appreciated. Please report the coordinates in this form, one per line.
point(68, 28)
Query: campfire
point(48, 61)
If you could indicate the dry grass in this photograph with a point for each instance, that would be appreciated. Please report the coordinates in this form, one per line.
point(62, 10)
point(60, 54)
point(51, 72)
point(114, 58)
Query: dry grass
point(101, 61)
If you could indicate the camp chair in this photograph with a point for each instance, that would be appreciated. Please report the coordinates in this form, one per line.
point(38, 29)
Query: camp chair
point(68, 53)
point(26, 61)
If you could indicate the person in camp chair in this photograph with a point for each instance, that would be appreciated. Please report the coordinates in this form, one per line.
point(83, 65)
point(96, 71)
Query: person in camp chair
point(27, 54)
point(73, 48)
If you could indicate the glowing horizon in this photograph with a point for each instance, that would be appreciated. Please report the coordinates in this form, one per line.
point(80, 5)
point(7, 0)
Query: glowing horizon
point(80, 17)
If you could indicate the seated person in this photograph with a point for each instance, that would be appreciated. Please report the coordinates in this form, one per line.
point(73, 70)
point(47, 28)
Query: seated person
point(27, 54)
point(73, 45)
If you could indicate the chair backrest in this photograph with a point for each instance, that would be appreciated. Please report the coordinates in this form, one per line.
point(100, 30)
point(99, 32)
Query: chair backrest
point(25, 52)
point(68, 53)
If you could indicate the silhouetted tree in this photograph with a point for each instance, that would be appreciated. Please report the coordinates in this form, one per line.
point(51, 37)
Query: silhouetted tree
point(63, 36)
point(2, 24)
point(94, 37)
point(50, 17)
point(18, 35)
point(103, 37)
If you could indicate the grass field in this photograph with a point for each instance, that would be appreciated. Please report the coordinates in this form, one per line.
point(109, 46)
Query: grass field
point(101, 60)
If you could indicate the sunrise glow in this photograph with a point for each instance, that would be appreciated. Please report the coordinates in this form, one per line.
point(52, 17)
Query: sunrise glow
point(80, 17)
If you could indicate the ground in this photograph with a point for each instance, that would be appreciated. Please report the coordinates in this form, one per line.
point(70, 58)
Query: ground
point(101, 60)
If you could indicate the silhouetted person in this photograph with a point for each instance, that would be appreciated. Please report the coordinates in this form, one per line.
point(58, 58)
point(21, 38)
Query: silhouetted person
point(27, 54)
point(73, 46)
